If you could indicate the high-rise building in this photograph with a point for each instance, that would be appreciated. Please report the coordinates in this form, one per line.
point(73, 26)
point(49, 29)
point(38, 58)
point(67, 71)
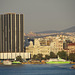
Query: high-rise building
point(11, 33)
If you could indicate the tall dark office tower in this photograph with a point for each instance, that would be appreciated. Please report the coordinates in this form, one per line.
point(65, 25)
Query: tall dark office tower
point(11, 33)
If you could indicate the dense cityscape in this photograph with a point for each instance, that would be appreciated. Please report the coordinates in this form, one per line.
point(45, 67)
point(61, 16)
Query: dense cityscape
point(33, 47)
point(13, 44)
point(37, 37)
point(51, 42)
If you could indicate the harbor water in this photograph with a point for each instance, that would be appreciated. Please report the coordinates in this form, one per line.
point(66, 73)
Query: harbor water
point(37, 69)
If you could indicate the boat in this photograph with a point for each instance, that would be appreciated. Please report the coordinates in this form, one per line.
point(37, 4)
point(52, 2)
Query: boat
point(73, 67)
point(16, 62)
point(7, 62)
point(57, 61)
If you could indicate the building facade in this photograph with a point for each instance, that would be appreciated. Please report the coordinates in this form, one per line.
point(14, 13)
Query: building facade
point(44, 46)
point(56, 46)
point(11, 34)
point(38, 48)
point(70, 48)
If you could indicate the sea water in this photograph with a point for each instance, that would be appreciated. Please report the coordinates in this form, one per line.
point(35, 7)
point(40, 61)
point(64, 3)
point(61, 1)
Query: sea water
point(37, 69)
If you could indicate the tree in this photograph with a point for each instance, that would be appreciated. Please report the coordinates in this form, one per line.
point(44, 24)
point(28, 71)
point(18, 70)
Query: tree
point(47, 57)
point(62, 54)
point(19, 58)
point(38, 57)
point(34, 57)
point(52, 55)
point(72, 57)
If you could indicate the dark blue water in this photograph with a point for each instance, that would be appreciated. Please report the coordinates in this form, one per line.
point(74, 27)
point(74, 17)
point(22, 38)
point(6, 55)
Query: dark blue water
point(44, 69)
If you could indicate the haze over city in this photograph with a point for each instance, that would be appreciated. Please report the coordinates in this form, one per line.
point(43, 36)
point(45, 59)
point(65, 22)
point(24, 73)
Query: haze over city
point(37, 37)
point(42, 15)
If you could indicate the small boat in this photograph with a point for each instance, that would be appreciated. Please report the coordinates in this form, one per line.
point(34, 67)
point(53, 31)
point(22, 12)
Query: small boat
point(7, 62)
point(73, 67)
point(57, 61)
point(16, 62)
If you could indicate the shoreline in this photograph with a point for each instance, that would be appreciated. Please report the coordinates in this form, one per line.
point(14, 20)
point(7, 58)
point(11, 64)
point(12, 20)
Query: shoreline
point(36, 63)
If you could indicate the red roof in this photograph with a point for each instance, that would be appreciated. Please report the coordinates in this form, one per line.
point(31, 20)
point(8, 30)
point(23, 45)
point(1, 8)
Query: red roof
point(71, 44)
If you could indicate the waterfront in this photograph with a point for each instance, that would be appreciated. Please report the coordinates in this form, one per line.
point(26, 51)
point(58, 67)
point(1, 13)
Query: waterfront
point(37, 69)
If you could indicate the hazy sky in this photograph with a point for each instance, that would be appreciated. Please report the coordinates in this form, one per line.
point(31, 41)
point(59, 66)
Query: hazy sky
point(42, 15)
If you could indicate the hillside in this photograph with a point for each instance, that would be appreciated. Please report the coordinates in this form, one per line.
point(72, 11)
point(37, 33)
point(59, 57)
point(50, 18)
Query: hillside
point(71, 29)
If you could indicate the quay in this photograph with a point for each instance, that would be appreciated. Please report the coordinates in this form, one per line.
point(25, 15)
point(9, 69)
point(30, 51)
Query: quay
point(72, 62)
point(30, 62)
point(33, 63)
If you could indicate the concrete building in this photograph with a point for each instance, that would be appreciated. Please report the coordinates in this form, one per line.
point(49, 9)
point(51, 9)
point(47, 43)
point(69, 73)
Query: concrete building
point(70, 48)
point(45, 45)
point(38, 47)
point(56, 46)
point(11, 35)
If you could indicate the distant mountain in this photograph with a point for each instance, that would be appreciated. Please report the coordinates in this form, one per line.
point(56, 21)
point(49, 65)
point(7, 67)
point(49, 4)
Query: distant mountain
point(49, 31)
point(71, 29)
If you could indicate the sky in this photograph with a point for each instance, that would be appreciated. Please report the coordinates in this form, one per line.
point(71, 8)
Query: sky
point(42, 15)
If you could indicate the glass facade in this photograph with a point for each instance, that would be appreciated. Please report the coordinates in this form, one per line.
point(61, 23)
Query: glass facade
point(21, 31)
point(17, 32)
point(11, 31)
point(5, 32)
point(2, 29)
point(0, 34)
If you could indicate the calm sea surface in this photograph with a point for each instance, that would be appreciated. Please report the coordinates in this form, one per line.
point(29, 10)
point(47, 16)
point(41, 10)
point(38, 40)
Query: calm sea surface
point(44, 69)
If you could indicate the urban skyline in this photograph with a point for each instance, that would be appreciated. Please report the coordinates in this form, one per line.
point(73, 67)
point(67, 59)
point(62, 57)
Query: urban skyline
point(37, 37)
point(42, 15)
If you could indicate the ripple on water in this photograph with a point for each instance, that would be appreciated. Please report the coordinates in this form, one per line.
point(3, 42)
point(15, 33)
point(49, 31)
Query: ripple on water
point(37, 69)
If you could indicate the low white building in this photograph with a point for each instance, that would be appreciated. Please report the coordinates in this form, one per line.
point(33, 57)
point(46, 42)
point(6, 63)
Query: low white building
point(14, 55)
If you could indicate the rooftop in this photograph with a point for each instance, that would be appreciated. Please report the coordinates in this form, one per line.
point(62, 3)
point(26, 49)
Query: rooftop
point(71, 44)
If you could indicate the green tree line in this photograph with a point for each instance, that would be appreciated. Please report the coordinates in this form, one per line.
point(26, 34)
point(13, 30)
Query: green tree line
point(61, 54)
